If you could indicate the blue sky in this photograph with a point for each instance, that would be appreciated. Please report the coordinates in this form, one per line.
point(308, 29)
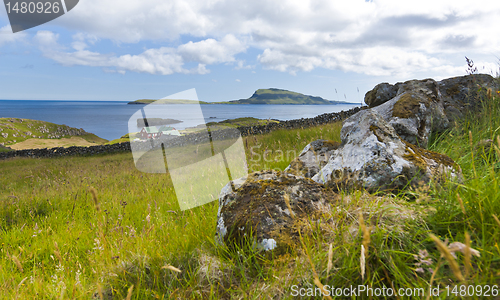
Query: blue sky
point(131, 49)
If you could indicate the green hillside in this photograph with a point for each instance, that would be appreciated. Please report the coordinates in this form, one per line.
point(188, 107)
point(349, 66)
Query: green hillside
point(278, 96)
point(261, 96)
point(16, 130)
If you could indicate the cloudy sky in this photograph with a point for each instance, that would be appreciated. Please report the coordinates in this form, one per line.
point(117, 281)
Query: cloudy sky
point(226, 49)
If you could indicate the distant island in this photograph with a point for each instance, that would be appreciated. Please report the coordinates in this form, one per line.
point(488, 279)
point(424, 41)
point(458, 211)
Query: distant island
point(278, 96)
point(261, 96)
point(156, 122)
point(167, 101)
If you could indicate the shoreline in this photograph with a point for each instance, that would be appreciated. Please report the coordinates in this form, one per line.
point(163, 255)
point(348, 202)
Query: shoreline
point(125, 146)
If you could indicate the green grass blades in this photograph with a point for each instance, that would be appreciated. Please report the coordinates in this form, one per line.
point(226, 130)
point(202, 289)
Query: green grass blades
point(86, 227)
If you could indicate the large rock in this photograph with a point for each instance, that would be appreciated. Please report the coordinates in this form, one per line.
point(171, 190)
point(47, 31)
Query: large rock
point(314, 157)
point(374, 157)
point(465, 93)
point(419, 108)
point(381, 93)
point(416, 112)
point(269, 207)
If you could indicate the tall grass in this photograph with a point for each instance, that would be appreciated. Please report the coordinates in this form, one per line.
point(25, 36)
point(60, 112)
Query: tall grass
point(83, 227)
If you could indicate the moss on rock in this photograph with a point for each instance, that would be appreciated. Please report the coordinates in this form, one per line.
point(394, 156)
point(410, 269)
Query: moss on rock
point(407, 106)
point(271, 209)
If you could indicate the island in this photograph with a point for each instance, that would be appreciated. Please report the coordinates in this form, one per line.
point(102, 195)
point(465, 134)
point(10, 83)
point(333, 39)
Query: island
point(156, 122)
point(261, 96)
point(279, 96)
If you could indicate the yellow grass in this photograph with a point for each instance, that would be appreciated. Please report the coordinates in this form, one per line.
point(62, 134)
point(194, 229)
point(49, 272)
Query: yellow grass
point(51, 143)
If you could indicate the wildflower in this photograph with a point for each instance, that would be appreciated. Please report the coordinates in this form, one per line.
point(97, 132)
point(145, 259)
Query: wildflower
point(459, 247)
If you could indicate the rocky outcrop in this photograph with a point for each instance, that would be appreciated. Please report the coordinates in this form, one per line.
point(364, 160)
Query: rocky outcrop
point(459, 92)
point(419, 108)
point(415, 112)
point(374, 157)
point(465, 93)
point(268, 208)
point(379, 151)
point(381, 93)
point(312, 158)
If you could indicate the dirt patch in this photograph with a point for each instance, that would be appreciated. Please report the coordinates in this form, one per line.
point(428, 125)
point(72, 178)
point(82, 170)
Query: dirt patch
point(51, 143)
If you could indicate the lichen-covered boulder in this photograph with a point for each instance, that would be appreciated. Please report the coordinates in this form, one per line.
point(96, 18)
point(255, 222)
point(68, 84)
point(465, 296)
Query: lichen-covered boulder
point(416, 112)
point(374, 157)
point(269, 208)
point(418, 108)
point(465, 93)
point(314, 157)
point(381, 93)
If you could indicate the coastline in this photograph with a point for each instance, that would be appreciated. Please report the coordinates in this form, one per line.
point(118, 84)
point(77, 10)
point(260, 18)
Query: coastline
point(179, 141)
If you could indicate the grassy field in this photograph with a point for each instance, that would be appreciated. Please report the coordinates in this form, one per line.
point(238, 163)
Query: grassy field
point(51, 143)
point(83, 227)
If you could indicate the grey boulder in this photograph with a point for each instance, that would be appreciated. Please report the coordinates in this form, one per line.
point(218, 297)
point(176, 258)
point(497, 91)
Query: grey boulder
point(374, 157)
point(314, 157)
point(267, 209)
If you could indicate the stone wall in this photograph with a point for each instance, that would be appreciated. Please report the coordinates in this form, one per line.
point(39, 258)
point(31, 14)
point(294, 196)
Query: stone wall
point(195, 138)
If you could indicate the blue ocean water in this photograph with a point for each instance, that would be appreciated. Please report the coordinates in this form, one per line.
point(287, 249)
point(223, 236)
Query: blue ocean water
point(109, 119)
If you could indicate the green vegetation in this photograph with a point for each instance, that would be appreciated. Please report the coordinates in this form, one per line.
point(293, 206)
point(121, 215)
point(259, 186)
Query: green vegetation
point(124, 138)
point(4, 149)
point(241, 122)
point(75, 227)
point(278, 96)
point(232, 123)
point(261, 96)
point(15, 130)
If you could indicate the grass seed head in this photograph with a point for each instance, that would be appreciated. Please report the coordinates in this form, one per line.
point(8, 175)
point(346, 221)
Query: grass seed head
point(172, 268)
point(18, 263)
point(496, 219)
point(330, 258)
point(461, 202)
point(445, 252)
point(366, 233)
point(129, 293)
point(467, 254)
point(94, 196)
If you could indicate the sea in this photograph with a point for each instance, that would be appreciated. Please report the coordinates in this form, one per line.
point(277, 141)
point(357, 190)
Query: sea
point(112, 119)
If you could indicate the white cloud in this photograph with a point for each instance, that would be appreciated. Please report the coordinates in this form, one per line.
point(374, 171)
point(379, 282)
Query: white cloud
point(240, 65)
point(211, 51)
point(6, 36)
point(380, 37)
point(163, 61)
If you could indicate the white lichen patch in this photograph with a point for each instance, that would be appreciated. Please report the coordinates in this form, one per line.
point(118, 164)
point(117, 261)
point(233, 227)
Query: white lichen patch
point(268, 244)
